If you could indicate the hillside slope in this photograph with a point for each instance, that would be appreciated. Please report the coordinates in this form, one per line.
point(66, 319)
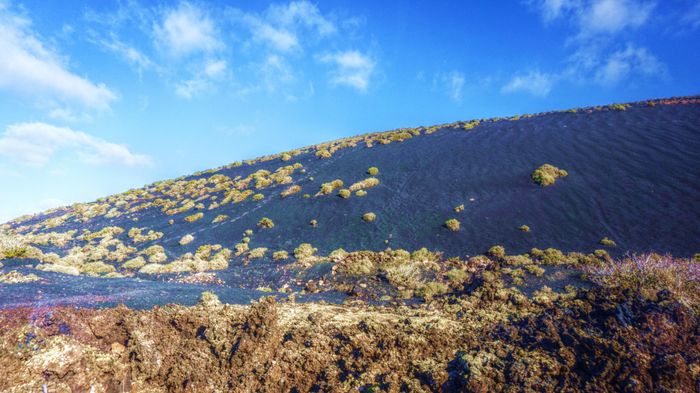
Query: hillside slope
point(633, 177)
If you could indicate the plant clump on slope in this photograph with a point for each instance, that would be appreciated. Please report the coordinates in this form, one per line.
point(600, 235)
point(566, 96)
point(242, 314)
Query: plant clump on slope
point(266, 223)
point(369, 217)
point(452, 224)
point(547, 174)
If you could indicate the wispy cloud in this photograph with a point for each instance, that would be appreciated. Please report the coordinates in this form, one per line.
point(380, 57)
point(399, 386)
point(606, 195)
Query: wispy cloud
point(34, 144)
point(534, 82)
point(30, 68)
point(186, 30)
point(599, 55)
point(280, 26)
point(632, 60)
point(352, 68)
point(451, 83)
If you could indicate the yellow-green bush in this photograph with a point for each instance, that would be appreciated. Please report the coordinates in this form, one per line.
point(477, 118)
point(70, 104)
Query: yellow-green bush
point(266, 223)
point(452, 224)
point(194, 217)
point(369, 217)
point(547, 174)
point(305, 250)
point(373, 171)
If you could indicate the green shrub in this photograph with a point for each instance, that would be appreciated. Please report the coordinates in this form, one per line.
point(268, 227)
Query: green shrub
point(361, 193)
point(344, 193)
point(547, 174)
point(452, 224)
point(135, 263)
point(194, 217)
point(286, 157)
point(459, 208)
point(220, 218)
point(373, 171)
point(338, 254)
point(313, 223)
point(209, 299)
point(257, 253)
point(497, 251)
point(358, 267)
point(248, 232)
point(280, 255)
point(363, 184)
point(405, 275)
point(327, 188)
point(305, 250)
point(535, 269)
point(619, 107)
point(291, 190)
point(369, 217)
point(608, 242)
point(432, 289)
point(187, 239)
point(457, 276)
point(266, 223)
point(524, 228)
point(258, 197)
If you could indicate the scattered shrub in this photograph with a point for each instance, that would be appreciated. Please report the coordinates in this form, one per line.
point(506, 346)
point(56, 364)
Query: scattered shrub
point(258, 197)
point(619, 107)
point(209, 299)
point(134, 263)
point(344, 193)
point(432, 289)
point(307, 196)
point(406, 275)
point(194, 217)
point(363, 184)
point(547, 174)
point(187, 239)
point(280, 255)
point(535, 269)
point(373, 171)
point(524, 228)
point(357, 267)
point(452, 224)
point(286, 157)
point(291, 190)
point(248, 232)
point(497, 251)
point(338, 254)
point(369, 217)
point(650, 273)
point(220, 218)
point(457, 276)
point(313, 223)
point(305, 250)
point(360, 193)
point(266, 223)
point(257, 253)
point(608, 242)
point(459, 208)
point(241, 248)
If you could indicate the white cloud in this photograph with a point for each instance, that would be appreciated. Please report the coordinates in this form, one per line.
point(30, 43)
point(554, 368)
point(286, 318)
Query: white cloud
point(552, 9)
point(632, 60)
point(352, 69)
point(187, 30)
point(35, 143)
point(612, 16)
point(281, 25)
point(535, 83)
point(594, 17)
point(452, 83)
point(31, 69)
point(303, 13)
point(203, 79)
point(134, 57)
point(692, 16)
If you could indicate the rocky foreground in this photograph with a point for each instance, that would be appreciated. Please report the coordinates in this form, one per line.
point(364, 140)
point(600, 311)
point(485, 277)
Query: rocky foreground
point(628, 325)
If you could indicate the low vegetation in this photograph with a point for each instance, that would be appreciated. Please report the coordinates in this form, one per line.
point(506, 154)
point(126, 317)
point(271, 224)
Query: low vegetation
point(452, 224)
point(369, 217)
point(607, 242)
point(547, 174)
point(266, 223)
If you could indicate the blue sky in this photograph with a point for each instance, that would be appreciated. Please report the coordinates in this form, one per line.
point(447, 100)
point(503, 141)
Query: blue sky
point(100, 97)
